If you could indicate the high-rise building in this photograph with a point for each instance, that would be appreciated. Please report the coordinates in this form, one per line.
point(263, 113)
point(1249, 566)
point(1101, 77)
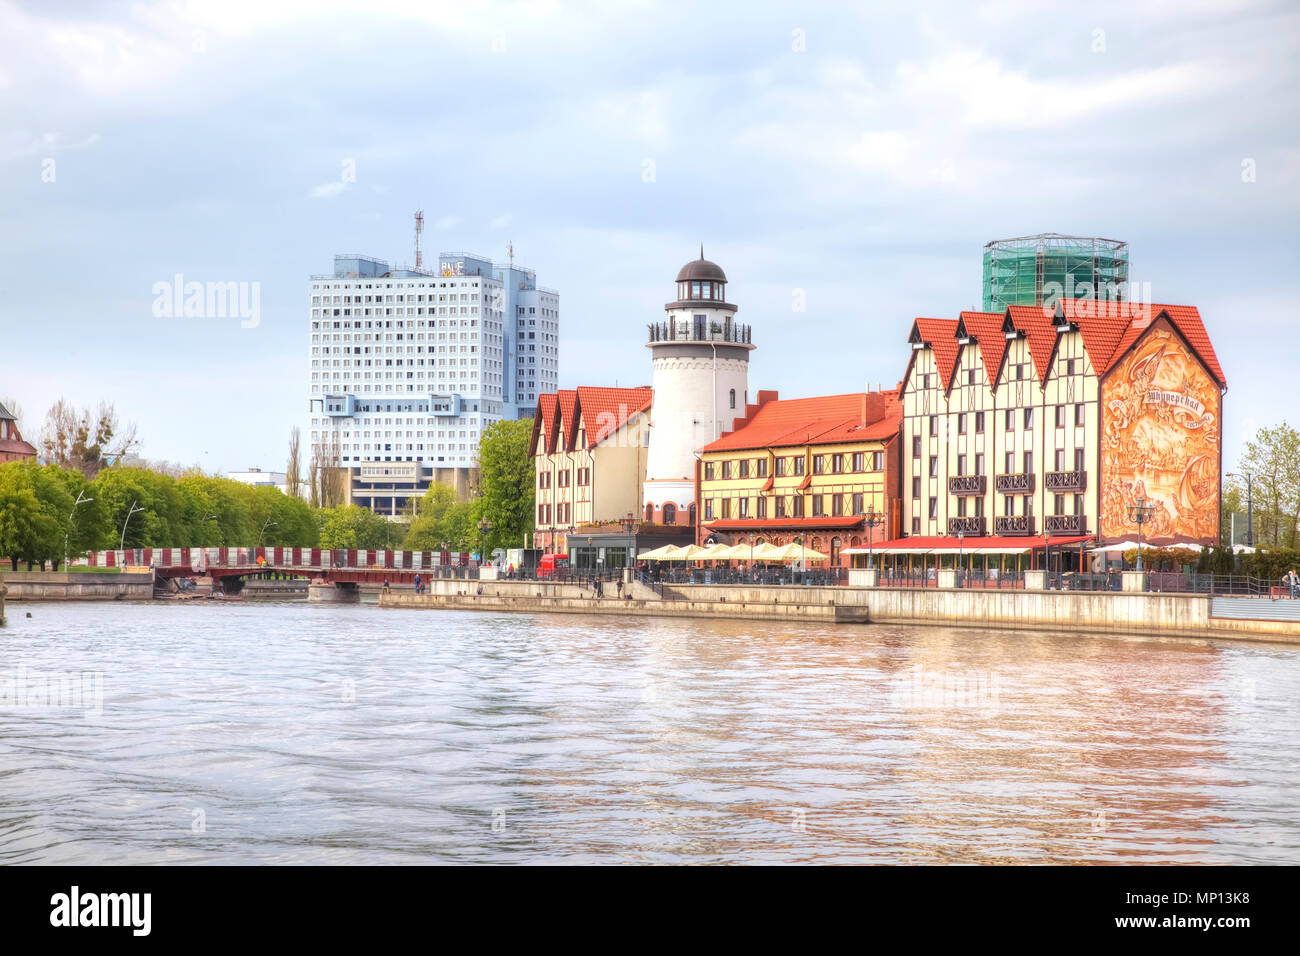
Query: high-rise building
point(409, 367)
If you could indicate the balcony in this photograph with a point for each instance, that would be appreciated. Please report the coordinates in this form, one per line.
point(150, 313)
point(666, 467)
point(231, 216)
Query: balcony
point(1014, 484)
point(1013, 524)
point(967, 485)
point(1067, 524)
point(970, 526)
point(1067, 481)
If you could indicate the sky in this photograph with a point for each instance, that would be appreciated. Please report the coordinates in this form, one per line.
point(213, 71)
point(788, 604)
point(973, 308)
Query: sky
point(853, 156)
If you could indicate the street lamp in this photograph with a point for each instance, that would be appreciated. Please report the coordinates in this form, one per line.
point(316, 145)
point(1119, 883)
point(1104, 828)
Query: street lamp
point(269, 524)
point(134, 510)
point(1250, 522)
point(80, 500)
point(961, 554)
point(484, 526)
point(871, 519)
point(1140, 513)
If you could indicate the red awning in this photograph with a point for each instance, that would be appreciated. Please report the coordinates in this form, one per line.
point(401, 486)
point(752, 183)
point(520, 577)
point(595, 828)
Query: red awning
point(974, 544)
point(847, 523)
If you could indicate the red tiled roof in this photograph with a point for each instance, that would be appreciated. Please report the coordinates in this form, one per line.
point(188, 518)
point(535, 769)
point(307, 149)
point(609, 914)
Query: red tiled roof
point(606, 410)
point(986, 329)
point(546, 414)
point(1041, 333)
point(941, 336)
point(1110, 329)
point(1187, 320)
point(568, 399)
point(811, 421)
point(756, 524)
point(16, 446)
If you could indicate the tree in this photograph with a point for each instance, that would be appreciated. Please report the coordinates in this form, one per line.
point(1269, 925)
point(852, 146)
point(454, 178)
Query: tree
point(19, 512)
point(86, 441)
point(1272, 457)
point(441, 518)
point(293, 468)
point(506, 482)
point(352, 526)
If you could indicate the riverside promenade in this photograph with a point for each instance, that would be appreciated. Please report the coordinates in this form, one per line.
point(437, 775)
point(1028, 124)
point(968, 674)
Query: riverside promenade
point(1197, 616)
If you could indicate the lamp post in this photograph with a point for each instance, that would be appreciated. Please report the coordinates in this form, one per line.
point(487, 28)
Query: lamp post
point(80, 500)
point(1140, 513)
point(134, 510)
point(872, 518)
point(484, 527)
point(269, 524)
point(961, 555)
point(1250, 522)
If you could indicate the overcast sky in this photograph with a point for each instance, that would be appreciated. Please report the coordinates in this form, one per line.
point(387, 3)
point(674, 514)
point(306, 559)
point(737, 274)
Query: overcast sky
point(862, 153)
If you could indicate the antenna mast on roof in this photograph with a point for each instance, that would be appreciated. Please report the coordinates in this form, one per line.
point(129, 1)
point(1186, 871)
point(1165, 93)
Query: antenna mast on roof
point(419, 231)
point(510, 251)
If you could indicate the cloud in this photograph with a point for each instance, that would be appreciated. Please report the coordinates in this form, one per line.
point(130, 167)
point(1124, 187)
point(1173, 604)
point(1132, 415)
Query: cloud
point(499, 222)
point(328, 190)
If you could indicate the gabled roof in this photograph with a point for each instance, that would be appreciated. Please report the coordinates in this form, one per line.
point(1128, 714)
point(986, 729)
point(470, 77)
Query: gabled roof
point(603, 411)
point(6, 414)
point(546, 416)
point(941, 336)
point(816, 421)
point(1110, 329)
point(568, 402)
point(1038, 329)
point(986, 329)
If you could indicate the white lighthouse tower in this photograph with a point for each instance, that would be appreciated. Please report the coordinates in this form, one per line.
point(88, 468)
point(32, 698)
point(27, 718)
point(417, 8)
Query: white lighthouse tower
point(701, 385)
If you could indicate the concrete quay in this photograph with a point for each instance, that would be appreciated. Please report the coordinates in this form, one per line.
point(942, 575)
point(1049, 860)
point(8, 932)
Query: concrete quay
point(1083, 612)
point(77, 586)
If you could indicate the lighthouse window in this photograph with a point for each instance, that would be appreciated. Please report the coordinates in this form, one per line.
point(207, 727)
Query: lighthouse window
point(707, 291)
point(695, 290)
point(733, 398)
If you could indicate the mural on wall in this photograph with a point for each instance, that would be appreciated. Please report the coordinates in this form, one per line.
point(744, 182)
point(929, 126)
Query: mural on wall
point(1161, 413)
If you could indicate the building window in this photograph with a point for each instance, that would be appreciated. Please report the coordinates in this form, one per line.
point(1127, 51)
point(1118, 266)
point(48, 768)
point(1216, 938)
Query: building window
point(798, 464)
point(1010, 419)
point(726, 508)
point(916, 486)
point(690, 515)
point(796, 506)
point(780, 507)
point(817, 506)
point(733, 398)
point(760, 465)
point(726, 469)
point(961, 424)
point(1060, 461)
point(650, 512)
point(877, 460)
point(934, 425)
point(1058, 501)
point(916, 446)
point(1029, 463)
point(979, 421)
point(1027, 504)
point(857, 503)
point(1008, 506)
point(1029, 417)
point(934, 508)
point(708, 509)
point(934, 466)
point(837, 463)
point(837, 505)
point(859, 461)
point(817, 464)
point(670, 514)
point(961, 507)
point(708, 471)
point(916, 526)
point(961, 464)
point(761, 510)
point(1079, 415)
point(779, 465)
point(1060, 416)
point(1078, 459)
point(742, 506)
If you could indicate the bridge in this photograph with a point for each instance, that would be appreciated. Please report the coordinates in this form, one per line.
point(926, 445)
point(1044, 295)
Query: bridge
point(334, 574)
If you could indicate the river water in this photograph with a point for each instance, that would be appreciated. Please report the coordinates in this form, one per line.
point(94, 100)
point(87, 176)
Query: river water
point(284, 732)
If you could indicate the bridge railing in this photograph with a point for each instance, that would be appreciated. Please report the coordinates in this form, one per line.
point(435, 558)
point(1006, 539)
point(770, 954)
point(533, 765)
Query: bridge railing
point(199, 560)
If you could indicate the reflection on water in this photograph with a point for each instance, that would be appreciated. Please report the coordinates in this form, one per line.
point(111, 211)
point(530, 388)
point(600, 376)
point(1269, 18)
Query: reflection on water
point(287, 732)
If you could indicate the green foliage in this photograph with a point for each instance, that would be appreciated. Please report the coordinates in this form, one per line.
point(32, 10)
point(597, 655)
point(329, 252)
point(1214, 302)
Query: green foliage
point(1270, 564)
point(1273, 458)
point(353, 527)
point(506, 483)
point(20, 512)
point(441, 518)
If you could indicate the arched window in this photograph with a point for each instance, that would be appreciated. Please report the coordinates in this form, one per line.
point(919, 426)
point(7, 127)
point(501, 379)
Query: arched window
point(649, 511)
point(670, 514)
point(690, 514)
point(733, 398)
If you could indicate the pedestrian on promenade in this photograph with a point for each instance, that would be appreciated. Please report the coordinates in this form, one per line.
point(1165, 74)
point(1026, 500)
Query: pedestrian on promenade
point(1292, 582)
point(418, 584)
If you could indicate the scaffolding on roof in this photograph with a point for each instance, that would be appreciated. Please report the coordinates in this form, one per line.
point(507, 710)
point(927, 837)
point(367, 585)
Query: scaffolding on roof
point(1017, 270)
